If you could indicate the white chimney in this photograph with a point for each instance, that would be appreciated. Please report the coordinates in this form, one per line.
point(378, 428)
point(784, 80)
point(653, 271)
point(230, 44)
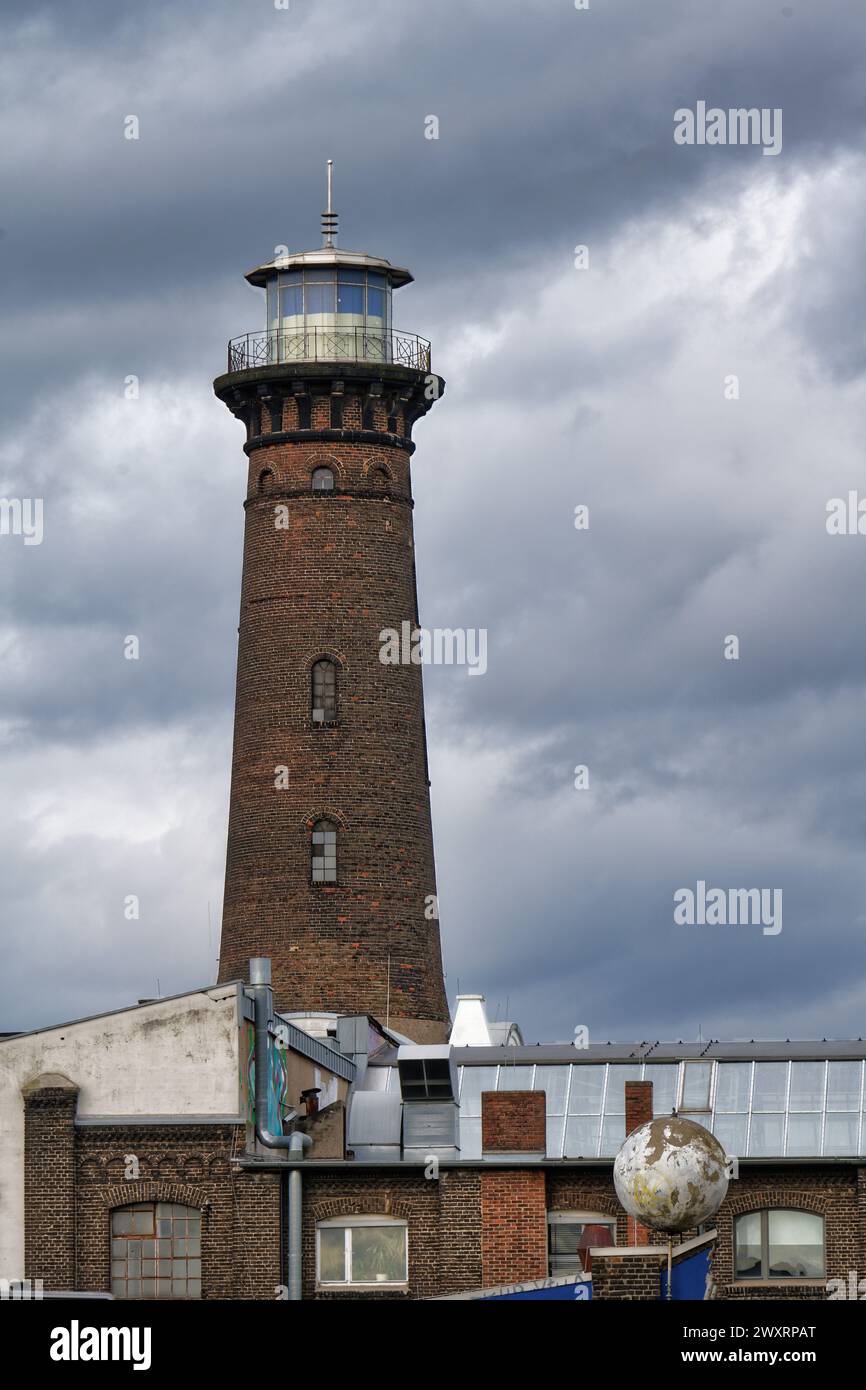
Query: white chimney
point(470, 1028)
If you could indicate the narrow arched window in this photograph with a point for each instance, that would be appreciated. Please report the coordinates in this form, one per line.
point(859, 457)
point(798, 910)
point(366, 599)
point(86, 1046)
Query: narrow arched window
point(324, 858)
point(381, 480)
point(266, 480)
point(323, 480)
point(323, 692)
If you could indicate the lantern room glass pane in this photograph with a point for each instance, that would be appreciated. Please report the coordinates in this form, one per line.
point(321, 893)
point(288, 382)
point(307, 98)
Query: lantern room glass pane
point(350, 299)
point(375, 304)
point(292, 301)
point(321, 299)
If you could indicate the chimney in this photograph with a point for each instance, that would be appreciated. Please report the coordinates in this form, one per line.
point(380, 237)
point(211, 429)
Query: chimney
point(638, 1111)
point(310, 1100)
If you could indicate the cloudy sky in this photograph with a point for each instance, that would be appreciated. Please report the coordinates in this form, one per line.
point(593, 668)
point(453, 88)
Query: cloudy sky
point(608, 386)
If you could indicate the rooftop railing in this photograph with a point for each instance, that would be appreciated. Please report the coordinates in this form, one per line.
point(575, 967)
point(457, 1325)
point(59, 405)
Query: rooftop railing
point(328, 345)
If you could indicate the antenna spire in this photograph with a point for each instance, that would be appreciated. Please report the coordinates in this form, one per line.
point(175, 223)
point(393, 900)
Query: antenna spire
point(329, 217)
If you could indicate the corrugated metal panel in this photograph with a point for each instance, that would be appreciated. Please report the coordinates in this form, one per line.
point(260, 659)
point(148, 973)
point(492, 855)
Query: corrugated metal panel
point(374, 1118)
point(429, 1125)
point(316, 1050)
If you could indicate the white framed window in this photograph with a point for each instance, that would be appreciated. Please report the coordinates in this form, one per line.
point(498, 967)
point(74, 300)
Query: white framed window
point(571, 1236)
point(362, 1251)
point(779, 1244)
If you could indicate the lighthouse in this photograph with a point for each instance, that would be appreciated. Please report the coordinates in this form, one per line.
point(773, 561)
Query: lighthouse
point(329, 863)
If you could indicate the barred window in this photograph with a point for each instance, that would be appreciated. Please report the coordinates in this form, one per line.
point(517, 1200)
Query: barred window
point(324, 852)
point(324, 692)
point(156, 1251)
point(323, 480)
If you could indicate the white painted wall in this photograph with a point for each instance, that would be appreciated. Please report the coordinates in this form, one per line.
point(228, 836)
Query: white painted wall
point(170, 1057)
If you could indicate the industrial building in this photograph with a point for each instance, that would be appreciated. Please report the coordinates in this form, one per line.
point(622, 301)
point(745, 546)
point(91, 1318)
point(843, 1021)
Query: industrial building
point(379, 1148)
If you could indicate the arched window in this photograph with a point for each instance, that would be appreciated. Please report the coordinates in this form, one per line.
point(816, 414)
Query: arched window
point(323, 692)
point(156, 1251)
point(324, 857)
point(381, 481)
point(266, 480)
point(362, 1250)
point(779, 1244)
point(323, 480)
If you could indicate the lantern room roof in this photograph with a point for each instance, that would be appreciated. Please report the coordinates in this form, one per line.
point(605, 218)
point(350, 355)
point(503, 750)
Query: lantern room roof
point(327, 256)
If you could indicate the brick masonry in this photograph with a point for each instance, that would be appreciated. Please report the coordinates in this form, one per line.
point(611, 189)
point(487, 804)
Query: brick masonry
point(513, 1121)
point(468, 1229)
point(638, 1111)
point(324, 586)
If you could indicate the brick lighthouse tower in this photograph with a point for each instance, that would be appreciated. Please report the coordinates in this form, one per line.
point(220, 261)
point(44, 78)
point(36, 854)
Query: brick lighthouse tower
point(329, 867)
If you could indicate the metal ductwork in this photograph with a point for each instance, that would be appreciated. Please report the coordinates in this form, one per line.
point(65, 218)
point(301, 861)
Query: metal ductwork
point(296, 1142)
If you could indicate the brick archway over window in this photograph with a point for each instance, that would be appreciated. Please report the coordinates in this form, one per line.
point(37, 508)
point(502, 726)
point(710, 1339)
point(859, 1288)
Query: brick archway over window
point(374, 1204)
point(130, 1193)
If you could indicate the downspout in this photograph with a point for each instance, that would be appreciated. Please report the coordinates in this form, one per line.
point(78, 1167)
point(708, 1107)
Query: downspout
point(297, 1141)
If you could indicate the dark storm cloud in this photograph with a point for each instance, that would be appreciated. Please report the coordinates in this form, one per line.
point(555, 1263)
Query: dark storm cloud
point(126, 257)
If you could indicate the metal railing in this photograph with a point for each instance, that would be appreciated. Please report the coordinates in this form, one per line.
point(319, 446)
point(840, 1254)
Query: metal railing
point(328, 345)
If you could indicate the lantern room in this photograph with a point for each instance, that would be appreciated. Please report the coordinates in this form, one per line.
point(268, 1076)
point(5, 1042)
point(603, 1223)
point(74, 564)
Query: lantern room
point(328, 305)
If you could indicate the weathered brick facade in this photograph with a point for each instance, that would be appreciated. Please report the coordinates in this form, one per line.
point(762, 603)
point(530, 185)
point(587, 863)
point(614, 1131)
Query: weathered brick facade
point(470, 1228)
point(513, 1121)
point(75, 1178)
point(321, 579)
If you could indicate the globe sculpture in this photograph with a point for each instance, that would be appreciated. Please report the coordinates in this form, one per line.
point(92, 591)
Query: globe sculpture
point(671, 1174)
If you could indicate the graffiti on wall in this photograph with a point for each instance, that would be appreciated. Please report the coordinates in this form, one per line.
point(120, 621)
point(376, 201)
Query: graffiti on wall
point(278, 1082)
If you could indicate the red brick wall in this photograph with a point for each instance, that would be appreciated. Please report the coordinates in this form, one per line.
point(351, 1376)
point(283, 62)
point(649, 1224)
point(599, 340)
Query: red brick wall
point(513, 1226)
point(513, 1121)
point(638, 1104)
point(638, 1111)
point(326, 586)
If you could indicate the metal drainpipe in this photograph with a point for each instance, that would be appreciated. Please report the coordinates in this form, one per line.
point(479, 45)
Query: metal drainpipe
point(297, 1141)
